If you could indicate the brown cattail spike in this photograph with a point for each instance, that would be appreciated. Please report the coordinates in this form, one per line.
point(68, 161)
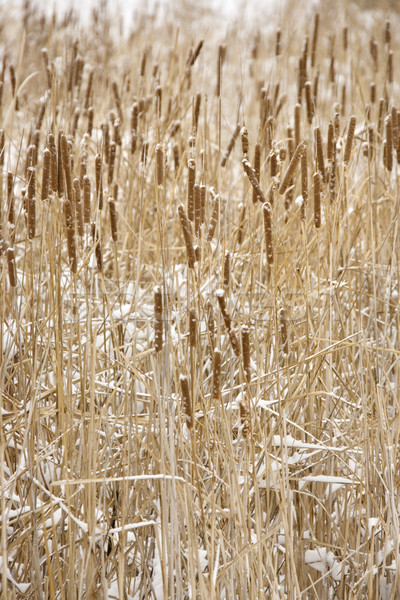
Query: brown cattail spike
point(46, 174)
point(292, 167)
point(214, 216)
point(244, 135)
point(78, 205)
point(186, 400)
point(246, 352)
point(319, 152)
point(99, 181)
point(268, 232)
point(86, 199)
point(70, 230)
point(283, 331)
point(256, 168)
point(317, 199)
point(31, 202)
point(253, 179)
point(113, 219)
point(160, 164)
point(188, 237)
point(12, 272)
point(190, 189)
point(158, 319)
point(304, 184)
point(216, 378)
point(349, 140)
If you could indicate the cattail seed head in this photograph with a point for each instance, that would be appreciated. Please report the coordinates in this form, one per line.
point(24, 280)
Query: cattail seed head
point(158, 319)
point(246, 352)
point(190, 189)
point(192, 328)
point(317, 199)
point(268, 231)
point(230, 145)
point(214, 216)
point(186, 400)
point(216, 375)
point(46, 174)
point(70, 231)
point(188, 237)
point(292, 167)
point(31, 202)
point(12, 271)
point(244, 135)
point(160, 164)
point(349, 140)
point(78, 206)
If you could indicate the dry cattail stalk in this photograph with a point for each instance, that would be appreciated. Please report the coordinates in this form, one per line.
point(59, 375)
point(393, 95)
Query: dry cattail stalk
point(70, 230)
point(332, 69)
point(75, 119)
point(345, 38)
point(309, 102)
point(246, 352)
point(220, 294)
point(388, 35)
point(90, 116)
point(373, 49)
point(187, 234)
point(117, 98)
point(214, 216)
point(304, 184)
point(256, 167)
point(175, 150)
point(390, 66)
point(253, 179)
point(190, 189)
point(221, 58)
point(31, 157)
point(111, 163)
point(216, 376)
point(99, 181)
point(195, 53)
point(343, 101)
point(349, 140)
point(319, 152)
point(160, 164)
point(40, 116)
point(273, 164)
point(227, 270)
point(336, 124)
point(203, 195)
point(388, 154)
point(330, 142)
point(97, 246)
point(278, 42)
point(292, 167)
point(244, 135)
point(186, 401)
point(395, 127)
point(144, 152)
point(86, 199)
point(314, 39)
point(297, 124)
point(46, 174)
point(53, 161)
point(89, 89)
point(230, 145)
point(78, 206)
point(196, 112)
point(283, 330)
point(10, 199)
point(268, 232)
point(66, 161)
point(12, 271)
point(192, 328)
point(158, 319)
point(31, 202)
point(372, 92)
point(317, 199)
point(113, 219)
point(60, 170)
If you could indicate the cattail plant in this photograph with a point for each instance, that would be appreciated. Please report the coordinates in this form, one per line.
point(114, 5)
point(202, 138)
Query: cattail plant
point(190, 188)
point(70, 231)
point(186, 401)
point(158, 319)
point(216, 375)
point(349, 140)
point(291, 168)
point(31, 202)
point(12, 271)
point(317, 199)
point(188, 236)
point(214, 215)
point(246, 352)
